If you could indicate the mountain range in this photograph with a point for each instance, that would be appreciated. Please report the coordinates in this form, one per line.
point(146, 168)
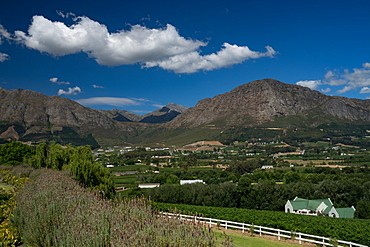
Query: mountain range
point(265, 104)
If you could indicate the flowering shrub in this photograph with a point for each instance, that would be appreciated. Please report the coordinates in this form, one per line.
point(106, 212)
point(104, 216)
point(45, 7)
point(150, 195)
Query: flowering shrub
point(53, 210)
point(9, 235)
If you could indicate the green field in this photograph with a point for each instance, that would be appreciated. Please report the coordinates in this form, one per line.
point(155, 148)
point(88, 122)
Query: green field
point(130, 168)
point(240, 239)
point(126, 181)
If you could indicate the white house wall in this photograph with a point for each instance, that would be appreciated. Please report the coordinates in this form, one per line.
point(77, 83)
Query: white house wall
point(321, 207)
point(333, 213)
point(288, 207)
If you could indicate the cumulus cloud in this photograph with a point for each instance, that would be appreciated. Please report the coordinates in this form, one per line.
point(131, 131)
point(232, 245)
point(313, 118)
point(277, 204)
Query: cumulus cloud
point(359, 77)
point(113, 101)
point(333, 79)
point(71, 91)
point(162, 47)
point(365, 90)
point(96, 86)
point(227, 56)
point(55, 80)
point(351, 80)
point(3, 57)
point(344, 90)
point(314, 84)
point(366, 65)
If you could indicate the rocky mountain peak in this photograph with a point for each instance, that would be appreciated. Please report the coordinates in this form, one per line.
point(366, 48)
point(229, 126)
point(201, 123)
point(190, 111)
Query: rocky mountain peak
point(174, 107)
point(266, 100)
point(164, 114)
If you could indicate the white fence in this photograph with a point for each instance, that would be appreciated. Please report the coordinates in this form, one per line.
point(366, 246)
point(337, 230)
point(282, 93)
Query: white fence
point(280, 234)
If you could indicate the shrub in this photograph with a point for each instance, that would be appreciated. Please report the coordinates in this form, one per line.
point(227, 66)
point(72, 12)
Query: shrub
point(52, 210)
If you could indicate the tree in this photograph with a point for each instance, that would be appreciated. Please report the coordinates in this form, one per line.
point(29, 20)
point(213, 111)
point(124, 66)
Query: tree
point(363, 210)
point(291, 177)
point(13, 153)
point(79, 161)
point(172, 179)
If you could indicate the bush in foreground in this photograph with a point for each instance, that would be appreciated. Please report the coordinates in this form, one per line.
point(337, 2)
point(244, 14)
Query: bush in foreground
point(53, 210)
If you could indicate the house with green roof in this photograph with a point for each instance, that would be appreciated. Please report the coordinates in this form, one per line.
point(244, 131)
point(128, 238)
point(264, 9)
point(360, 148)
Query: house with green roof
point(318, 207)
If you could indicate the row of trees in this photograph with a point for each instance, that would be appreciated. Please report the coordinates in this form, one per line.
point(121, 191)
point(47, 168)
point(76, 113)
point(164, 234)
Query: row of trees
point(79, 161)
point(266, 195)
point(242, 185)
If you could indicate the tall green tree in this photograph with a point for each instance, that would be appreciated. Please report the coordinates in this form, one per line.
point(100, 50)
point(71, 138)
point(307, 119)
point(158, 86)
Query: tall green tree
point(13, 153)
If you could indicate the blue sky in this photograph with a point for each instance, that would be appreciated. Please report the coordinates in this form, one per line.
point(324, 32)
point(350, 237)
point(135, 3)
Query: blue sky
point(141, 55)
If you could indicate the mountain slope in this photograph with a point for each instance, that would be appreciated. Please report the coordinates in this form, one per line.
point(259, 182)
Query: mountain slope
point(266, 101)
point(36, 116)
point(264, 107)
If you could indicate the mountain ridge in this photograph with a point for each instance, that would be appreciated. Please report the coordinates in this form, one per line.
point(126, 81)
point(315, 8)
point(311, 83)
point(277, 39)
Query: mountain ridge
point(36, 116)
point(263, 101)
point(260, 104)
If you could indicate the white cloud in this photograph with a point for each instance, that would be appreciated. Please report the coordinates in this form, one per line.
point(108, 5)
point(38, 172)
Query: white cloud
point(3, 57)
point(366, 65)
point(313, 84)
point(158, 105)
point(227, 56)
point(65, 15)
point(55, 80)
point(71, 91)
point(359, 77)
point(365, 90)
point(4, 33)
point(329, 75)
point(351, 80)
point(113, 101)
point(141, 99)
point(96, 86)
point(332, 79)
point(162, 47)
point(344, 90)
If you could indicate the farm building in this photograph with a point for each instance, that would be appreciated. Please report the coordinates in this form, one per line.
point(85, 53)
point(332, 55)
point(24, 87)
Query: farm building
point(148, 186)
point(317, 207)
point(191, 181)
point(267, 167)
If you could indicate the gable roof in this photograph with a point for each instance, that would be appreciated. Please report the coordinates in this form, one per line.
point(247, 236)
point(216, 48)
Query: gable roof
point(346, 212)
point(313, 205)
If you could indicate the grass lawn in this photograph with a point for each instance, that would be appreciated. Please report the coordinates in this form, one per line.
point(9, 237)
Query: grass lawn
point(245, 240)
